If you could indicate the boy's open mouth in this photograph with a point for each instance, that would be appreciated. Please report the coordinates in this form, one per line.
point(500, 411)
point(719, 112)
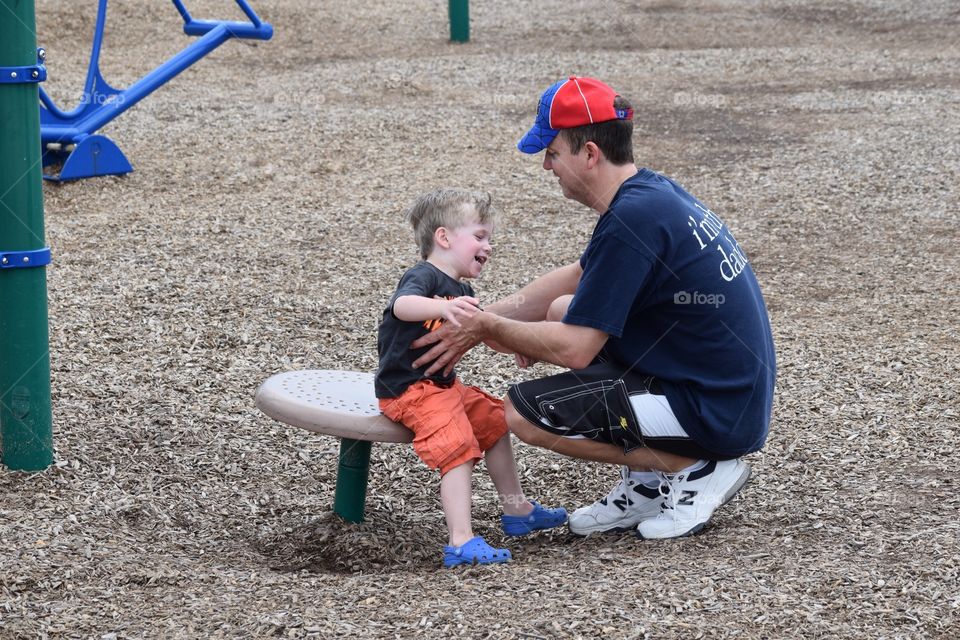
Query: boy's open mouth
point(480, 259)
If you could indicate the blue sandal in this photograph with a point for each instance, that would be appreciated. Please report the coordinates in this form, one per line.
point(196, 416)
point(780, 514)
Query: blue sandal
point(474, 551)
point(539, 518)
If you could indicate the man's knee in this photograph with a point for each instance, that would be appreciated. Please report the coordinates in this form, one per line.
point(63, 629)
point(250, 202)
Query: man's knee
point(521, 427)
point(558, 308)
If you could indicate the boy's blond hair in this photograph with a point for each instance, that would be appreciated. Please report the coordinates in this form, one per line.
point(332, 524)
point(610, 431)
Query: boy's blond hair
point(450, 208)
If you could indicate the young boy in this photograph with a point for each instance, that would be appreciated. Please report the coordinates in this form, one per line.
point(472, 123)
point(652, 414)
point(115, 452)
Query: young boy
point(454, 425)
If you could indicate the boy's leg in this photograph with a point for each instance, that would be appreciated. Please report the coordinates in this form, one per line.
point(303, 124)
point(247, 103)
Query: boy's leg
point(503, 471)
point(485, 413)
point(444, 440)
point(520, 516)
point(456, 497)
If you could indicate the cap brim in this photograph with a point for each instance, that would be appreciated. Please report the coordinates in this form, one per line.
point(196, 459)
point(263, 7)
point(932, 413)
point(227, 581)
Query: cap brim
point(537, 139)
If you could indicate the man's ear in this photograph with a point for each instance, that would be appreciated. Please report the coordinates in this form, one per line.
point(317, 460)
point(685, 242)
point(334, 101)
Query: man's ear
point(594, 155)
point(440, 238)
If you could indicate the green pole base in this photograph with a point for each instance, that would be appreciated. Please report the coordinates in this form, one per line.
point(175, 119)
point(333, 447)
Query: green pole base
point(460, 20)
point(350, 496)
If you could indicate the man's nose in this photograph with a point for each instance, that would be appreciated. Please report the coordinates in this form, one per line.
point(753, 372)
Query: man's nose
point(546, 163)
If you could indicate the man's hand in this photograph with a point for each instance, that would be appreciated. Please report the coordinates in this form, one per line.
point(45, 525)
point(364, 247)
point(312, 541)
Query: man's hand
point(496, 346)
point(450, 344)
point(524, 361)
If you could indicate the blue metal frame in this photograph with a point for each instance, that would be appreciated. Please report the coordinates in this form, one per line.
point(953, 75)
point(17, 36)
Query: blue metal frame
point(22, 75)
point(67, 136)
point(25, 259)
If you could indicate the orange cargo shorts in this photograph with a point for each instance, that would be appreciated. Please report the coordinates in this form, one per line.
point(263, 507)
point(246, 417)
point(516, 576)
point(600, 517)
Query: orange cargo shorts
point(451, 425)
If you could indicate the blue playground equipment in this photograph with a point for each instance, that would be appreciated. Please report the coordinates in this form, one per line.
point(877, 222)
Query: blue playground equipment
point(68, 138)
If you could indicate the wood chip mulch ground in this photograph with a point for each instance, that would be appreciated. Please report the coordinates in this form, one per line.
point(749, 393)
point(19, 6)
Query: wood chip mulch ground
point(261, 231)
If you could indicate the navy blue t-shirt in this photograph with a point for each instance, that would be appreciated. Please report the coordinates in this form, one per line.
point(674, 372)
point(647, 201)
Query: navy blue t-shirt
point(664, 276)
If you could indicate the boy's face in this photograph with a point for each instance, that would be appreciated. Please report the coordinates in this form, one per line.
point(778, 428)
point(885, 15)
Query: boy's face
point(469, 248)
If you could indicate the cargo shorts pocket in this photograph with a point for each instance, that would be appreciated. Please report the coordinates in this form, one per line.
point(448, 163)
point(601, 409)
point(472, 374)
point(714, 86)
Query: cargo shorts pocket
point(439, 441)
point(598, 410)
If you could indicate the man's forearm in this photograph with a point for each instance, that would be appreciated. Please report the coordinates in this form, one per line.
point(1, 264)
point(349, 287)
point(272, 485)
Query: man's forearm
point(561, 344)
point(531, 303)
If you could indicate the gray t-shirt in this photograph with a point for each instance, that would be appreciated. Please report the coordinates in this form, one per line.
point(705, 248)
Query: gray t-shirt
point(396, 371)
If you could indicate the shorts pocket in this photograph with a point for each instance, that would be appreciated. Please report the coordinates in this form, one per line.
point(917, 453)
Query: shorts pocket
point(598, 410)
point(440, 440)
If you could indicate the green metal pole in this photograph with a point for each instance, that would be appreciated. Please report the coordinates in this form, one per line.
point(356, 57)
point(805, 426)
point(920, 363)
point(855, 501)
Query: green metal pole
point(460, 20)
point(26, 430)
point(350, 496)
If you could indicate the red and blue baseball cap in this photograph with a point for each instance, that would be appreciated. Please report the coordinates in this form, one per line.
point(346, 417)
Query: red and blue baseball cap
point(570, 103)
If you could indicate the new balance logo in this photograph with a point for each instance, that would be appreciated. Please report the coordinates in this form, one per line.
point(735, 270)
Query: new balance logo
point(686, 498)
point(622, 502)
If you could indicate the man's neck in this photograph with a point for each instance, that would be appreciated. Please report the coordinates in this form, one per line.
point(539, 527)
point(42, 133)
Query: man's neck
point(610, 180)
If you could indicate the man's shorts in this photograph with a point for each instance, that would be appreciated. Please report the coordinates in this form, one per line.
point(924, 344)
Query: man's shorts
point(451, 425)
point(605, 404)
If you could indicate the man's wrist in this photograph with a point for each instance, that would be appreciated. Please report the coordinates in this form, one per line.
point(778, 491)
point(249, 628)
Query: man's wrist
point(486, 324)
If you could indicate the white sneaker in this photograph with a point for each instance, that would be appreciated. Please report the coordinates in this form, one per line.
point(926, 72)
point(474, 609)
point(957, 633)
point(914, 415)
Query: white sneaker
point(627, 504)
point(691, 498)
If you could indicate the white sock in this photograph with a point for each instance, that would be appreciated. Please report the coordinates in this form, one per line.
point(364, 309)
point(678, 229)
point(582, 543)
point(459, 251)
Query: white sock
point(646, 478)
point(696, 466)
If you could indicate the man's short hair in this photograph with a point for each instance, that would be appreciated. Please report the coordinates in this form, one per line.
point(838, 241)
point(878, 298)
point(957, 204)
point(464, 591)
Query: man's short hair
point(613, 137)
point(450, 208)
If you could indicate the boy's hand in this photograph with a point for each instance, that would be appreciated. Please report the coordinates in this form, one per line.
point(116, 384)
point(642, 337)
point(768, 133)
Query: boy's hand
point(462, 307)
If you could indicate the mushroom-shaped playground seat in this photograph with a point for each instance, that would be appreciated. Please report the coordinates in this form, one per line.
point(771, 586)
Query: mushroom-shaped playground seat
point(336, 403)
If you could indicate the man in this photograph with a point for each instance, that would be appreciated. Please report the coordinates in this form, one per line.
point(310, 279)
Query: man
point(661, 323)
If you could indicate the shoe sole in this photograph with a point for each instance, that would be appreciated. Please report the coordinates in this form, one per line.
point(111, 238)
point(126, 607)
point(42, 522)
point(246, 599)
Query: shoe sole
point(727, 497)
point(602, 532)
point(473, 562)
point(525, 531)
point(525, 528)
point(613, 530)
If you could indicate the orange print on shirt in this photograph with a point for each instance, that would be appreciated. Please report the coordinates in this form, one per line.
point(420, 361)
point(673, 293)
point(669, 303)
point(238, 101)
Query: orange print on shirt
point(435, 323)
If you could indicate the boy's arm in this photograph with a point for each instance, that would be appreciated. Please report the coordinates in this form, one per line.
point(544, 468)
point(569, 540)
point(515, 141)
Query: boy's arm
point(419, 308)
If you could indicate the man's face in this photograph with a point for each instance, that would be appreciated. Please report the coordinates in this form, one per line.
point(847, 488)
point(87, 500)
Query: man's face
point(568, 168)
